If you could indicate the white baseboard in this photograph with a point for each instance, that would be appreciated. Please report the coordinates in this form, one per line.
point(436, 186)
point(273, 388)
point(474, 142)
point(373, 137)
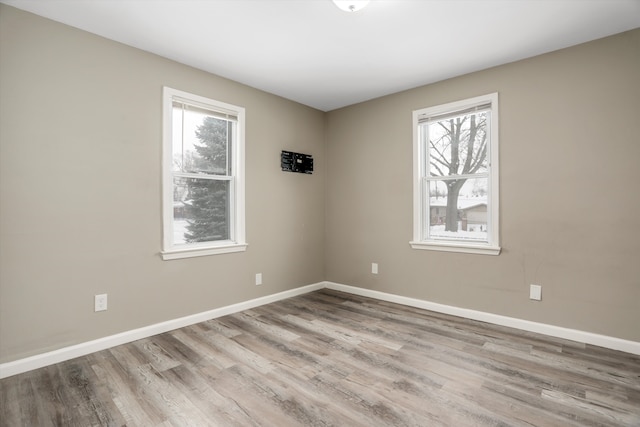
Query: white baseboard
point(45, 359)
point(67, 353)
point(613, 343)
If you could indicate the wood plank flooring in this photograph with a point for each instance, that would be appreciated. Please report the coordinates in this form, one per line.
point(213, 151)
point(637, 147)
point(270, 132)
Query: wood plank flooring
point(333, 359)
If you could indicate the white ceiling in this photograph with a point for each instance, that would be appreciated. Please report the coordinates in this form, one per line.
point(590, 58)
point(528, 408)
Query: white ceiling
point(311, 52)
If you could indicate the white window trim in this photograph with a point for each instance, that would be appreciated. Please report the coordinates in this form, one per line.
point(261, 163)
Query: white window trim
point(493, 246)
point(170, 251)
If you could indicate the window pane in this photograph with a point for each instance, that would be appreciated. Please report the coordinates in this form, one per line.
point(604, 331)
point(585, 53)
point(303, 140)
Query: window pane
point(458, 146)
point(201, 142)
point(458, 210)
point(200, 210)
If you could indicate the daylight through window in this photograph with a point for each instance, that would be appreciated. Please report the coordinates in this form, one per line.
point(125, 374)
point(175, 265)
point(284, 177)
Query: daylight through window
point(456, 176)
point(203, 176)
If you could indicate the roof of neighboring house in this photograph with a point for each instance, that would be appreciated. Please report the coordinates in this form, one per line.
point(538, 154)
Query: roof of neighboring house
point(464, 203)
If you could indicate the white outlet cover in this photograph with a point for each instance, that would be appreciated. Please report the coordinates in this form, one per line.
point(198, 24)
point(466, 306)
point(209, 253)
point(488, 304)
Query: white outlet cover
point(259, 279)
point(535, 292)
point(374, 267)
point(100, 302)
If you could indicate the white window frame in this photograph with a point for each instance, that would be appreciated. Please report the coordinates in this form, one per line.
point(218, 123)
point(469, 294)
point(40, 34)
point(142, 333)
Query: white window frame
point(237, 242)
point(420, 196)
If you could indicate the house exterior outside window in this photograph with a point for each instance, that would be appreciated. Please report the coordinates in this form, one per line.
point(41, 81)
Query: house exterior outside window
point(456, 185)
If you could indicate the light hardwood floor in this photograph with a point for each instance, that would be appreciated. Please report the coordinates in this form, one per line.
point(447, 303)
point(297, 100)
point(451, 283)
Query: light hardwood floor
point(333, 359)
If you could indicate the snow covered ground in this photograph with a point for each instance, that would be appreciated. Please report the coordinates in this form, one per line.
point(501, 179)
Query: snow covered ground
point(438, 232)
point(179, 228)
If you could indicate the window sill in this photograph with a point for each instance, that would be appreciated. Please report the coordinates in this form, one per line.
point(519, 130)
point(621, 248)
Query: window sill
point(195, 252)
point(453, 247)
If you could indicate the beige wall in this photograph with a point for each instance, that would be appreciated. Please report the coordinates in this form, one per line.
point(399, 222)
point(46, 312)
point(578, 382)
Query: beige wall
point(80, 207)
point(80, 185)
point(570, 193)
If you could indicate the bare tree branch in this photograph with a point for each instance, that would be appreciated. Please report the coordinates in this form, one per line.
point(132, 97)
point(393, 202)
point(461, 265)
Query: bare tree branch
point(481, 156)
point(442, 158)
point(437, 168)
point(455, 145)
point(473, 130)
point(463, 150)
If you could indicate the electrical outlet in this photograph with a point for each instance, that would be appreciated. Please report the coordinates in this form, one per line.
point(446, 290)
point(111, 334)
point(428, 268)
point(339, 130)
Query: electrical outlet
point(259, 279)
point(535, 292)
point(374, 267)
point(100, 302)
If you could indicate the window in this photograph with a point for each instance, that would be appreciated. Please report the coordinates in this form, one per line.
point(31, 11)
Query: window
point(203, 176)
point(456, 177)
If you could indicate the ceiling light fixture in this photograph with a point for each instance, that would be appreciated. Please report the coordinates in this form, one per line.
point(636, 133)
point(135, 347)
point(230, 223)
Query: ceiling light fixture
point(351, 5)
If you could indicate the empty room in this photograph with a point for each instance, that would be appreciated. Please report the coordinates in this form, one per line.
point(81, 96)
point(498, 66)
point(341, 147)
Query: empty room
point(319, 213)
